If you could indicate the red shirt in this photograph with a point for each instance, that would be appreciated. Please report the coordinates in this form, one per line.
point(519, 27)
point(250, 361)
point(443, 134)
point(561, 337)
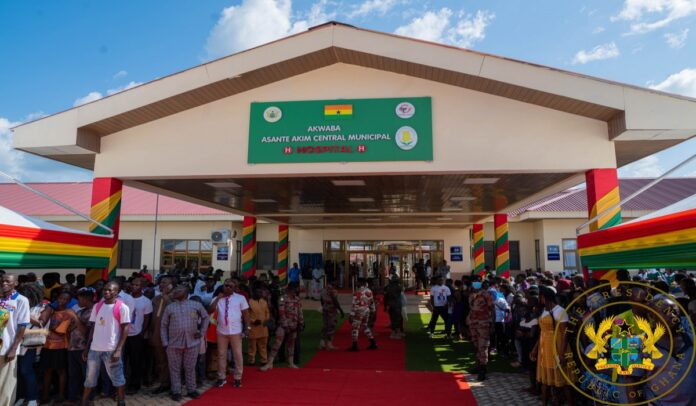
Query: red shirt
point(147, 276)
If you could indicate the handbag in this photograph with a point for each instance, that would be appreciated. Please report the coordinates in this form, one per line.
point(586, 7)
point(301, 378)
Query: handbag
point(34, 337)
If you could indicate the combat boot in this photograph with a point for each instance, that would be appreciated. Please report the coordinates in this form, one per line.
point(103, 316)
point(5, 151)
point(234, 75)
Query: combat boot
point(330, 346)
point(373, 344)
point(354, 348)
point(291, 364)
point(268, 366)
point(482, 373)
point(322, 345)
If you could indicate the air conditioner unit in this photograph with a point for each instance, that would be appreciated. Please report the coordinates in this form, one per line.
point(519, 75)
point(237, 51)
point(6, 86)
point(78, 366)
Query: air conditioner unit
point(220, 236)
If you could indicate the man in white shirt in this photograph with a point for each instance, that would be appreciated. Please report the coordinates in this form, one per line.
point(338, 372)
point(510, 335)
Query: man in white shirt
point(110, 321)
point(233, 321)
point(140, 313)
point(14, 319)
point(439, 296)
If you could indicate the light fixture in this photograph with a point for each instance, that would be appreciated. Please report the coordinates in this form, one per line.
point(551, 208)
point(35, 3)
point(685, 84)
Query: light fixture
point(361, 199)
point(444, 218)
point(451, 209)
point(373, 219)
point(287, 210)
point(223, 185)
point(368, 210)
point(462, 198)
point(348, 182)
point(263, 200)
point(480, 181)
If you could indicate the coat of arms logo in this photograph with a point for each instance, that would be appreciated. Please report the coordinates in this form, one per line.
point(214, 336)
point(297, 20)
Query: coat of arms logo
point(624, 343)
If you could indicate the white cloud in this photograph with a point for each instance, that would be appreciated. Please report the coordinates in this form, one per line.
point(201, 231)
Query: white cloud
point(256, 22)
point(10, 160)
point(120, 74)
point(604, 51)
point(95, 95)
point(660, 12)
point(439, 26)
point(130, 84)
point(379, 7)
point(90, 97)
point(677, 40)
point(598, 30)
point(648, 167)
point(683, 82)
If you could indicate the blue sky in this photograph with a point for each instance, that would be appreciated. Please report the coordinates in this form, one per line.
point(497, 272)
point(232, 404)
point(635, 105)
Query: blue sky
point(59, 54)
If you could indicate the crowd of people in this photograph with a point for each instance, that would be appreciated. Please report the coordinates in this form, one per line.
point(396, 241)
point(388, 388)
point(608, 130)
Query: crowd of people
point(70, 343)
point(523, 318)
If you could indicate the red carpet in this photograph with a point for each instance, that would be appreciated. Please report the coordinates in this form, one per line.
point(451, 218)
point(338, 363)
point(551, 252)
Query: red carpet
point(391, 354)
point(311, 386)
point(345, 378)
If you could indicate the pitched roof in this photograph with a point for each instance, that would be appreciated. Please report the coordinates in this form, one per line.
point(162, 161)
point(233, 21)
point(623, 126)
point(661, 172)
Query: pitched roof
point(666, 192)
point(135, 202)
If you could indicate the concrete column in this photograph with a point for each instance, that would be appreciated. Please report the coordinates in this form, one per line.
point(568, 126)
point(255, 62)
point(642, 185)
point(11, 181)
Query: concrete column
point(502, 246)
point(283, 254)
point(249, 247)
point(477, 244)
point(602, 194)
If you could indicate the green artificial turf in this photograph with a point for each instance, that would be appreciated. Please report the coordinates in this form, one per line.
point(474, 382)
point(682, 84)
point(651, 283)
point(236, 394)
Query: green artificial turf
point(440, 354)
point(309, 339)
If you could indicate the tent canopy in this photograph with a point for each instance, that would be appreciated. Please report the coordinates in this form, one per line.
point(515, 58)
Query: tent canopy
point(26, 242)
point(663, 239)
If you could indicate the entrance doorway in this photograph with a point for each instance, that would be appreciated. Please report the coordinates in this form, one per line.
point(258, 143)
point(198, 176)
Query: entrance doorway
point(374, 260)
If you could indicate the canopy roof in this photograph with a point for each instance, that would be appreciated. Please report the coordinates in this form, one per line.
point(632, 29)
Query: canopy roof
point(26, 242)
point(663, 239)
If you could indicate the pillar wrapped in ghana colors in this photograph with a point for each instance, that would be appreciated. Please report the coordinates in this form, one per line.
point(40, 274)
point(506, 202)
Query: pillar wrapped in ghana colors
point(502, 246)
point(106, 209)
point(249, 247)
point(283, 254)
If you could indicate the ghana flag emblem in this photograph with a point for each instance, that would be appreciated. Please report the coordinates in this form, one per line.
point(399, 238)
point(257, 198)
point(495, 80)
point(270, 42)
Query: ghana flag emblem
point(338, 111)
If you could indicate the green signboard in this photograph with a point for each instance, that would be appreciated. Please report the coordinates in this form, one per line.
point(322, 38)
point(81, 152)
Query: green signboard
point(345, 130)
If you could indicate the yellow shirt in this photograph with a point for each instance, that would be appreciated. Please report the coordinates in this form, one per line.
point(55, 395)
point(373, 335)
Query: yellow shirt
point(258, 310)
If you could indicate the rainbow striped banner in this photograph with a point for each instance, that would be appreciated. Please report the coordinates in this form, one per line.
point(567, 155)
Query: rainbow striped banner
point(603, 193)
point(479, 261)
point(283, 254)
point(249, 247)
point(106, 209)
point(26, 242)
point(502, 246)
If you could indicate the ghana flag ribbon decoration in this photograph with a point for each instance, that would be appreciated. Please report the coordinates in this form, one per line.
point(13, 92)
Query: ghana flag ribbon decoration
point(664, 239)
point(502, 246)
point(249, 247)
point(283, 254)
point(27, 242)
point(602, 194)
point(479, 264)
point(105, 209)
point(338, 111)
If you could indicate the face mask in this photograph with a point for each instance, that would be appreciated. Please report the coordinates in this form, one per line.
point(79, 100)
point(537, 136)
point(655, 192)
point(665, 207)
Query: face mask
point(476, 285)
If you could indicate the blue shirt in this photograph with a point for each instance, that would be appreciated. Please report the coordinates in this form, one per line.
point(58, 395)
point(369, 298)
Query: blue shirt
point(294, 274)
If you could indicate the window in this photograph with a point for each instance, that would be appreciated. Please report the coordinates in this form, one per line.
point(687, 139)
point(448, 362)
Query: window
point(190, 255)
point(266, 255)
point(238, 252)
point(515, 255)
point(130, 254)
point(537, 254)
point(570, 255)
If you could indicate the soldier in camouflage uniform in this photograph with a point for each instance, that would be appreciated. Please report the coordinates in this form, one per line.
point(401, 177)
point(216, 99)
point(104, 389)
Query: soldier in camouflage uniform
point(362, 309)
point(329, 311)
point(393, 305)
point(480, 320)
point(290, 324)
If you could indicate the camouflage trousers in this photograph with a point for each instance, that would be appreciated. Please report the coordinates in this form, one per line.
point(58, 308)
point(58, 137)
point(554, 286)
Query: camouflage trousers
point(361, 320)
point(289, 334)
point(481, 338)
point(328, 329)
